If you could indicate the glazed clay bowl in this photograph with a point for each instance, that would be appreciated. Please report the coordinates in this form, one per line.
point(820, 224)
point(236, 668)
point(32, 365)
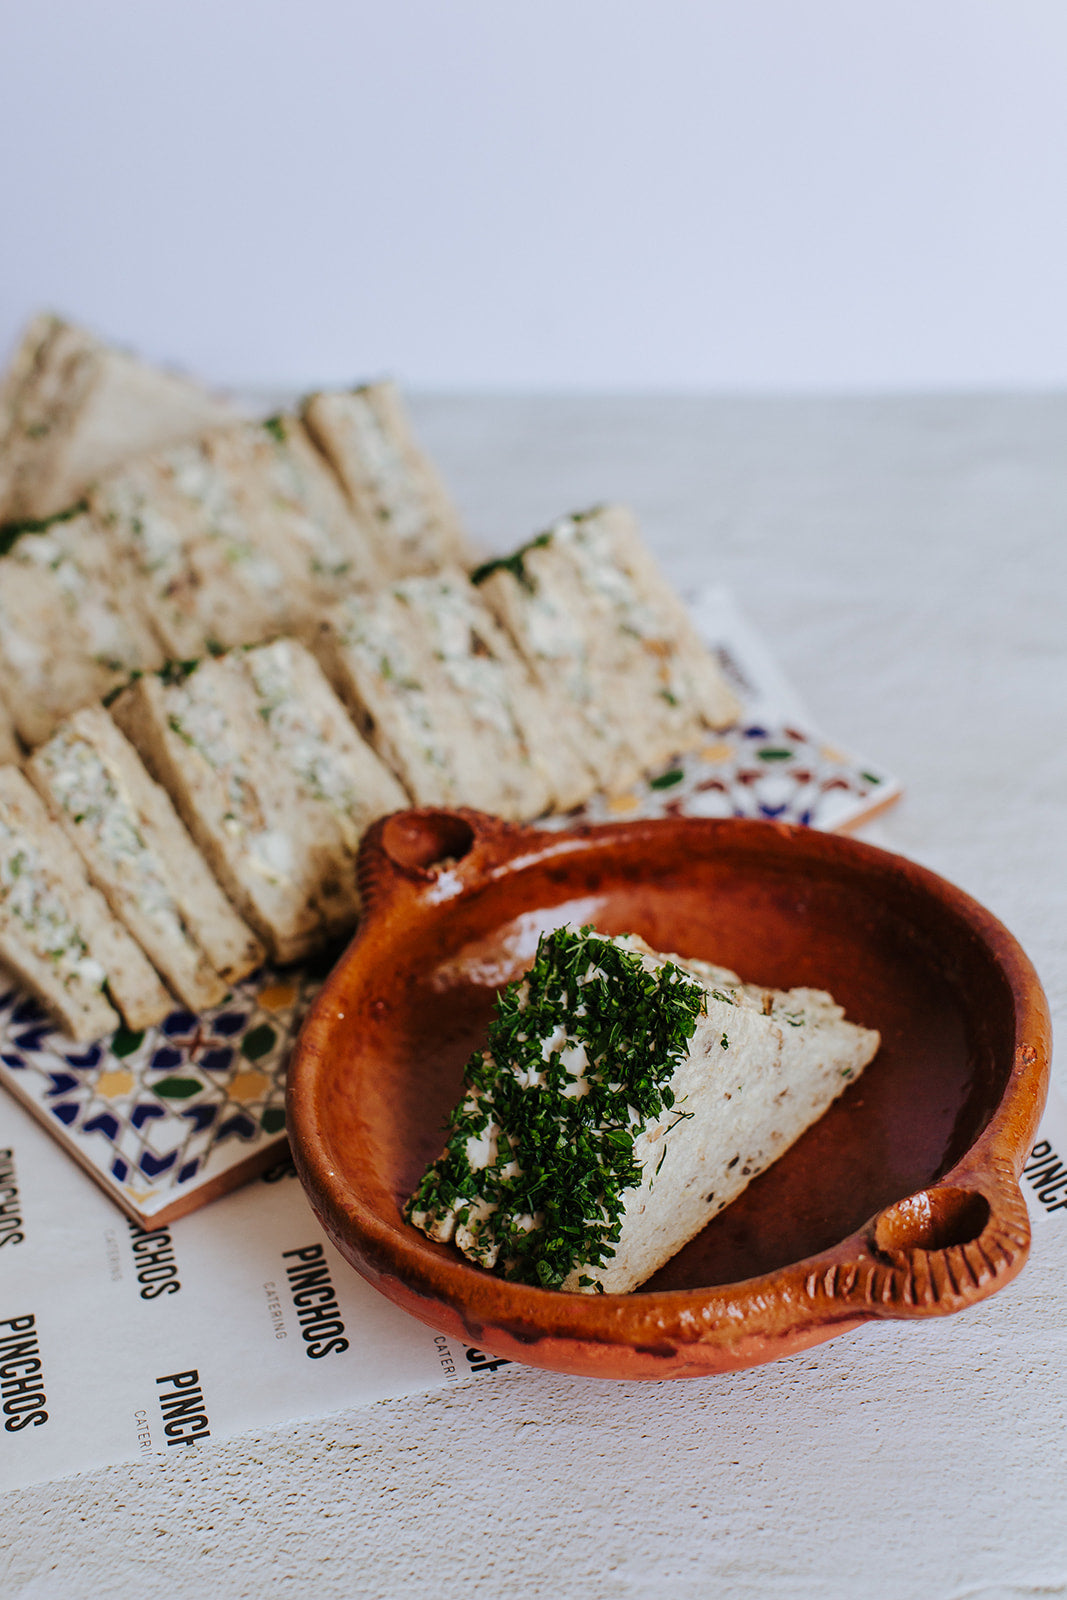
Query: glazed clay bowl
point(902, 1201)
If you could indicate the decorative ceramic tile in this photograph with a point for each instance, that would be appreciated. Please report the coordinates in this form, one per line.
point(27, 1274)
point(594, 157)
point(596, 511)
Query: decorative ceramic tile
point(170, 1118)
point(760, 769)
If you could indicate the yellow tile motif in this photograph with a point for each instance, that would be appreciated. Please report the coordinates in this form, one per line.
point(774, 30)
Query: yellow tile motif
point(112, 1084)
point(247, 1086)
point(719, 752)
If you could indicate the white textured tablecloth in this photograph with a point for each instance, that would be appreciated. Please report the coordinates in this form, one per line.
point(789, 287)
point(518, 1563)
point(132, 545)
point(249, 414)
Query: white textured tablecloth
point(907, 559)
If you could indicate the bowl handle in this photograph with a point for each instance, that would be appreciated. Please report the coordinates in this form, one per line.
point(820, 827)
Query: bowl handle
point(433, 851)
point(942, 1249)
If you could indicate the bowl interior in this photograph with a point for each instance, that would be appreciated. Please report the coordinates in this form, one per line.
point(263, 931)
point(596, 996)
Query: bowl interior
point(417, 999)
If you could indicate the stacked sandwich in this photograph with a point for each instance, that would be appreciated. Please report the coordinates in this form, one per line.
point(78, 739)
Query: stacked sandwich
point(235, 650)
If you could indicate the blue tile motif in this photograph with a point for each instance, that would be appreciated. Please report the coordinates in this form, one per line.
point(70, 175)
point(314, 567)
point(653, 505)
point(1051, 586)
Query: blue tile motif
point(167, 1111)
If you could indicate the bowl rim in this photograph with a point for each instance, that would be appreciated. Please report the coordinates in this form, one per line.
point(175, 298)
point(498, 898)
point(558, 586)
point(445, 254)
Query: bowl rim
point(903, 1271)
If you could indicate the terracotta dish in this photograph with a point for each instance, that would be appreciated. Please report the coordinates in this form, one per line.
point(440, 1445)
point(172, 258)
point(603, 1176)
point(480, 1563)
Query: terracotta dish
point(903, 1201)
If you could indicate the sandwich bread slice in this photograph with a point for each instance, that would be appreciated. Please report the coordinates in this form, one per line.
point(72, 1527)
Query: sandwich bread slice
point(141, 858)
point(206, 576)
point(72, 408)
point(271, 780)
point(391, 484)
point(377, 656)
point(57, 934)
point(71, 624)
point(340, 784)
point(602, 631)
point(508, 762)
point(296, 507)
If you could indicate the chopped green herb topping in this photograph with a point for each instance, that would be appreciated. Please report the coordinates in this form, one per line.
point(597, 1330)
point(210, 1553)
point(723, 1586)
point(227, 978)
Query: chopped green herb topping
point(10, 532)
point(173, 673)
point(667, 780)
point(515, 563)
point(275, 426)
point(540, 1152)
point(170, 673)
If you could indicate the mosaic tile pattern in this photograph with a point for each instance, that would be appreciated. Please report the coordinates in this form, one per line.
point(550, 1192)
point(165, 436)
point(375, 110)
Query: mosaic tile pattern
point(157, 1115)
point(761, 769)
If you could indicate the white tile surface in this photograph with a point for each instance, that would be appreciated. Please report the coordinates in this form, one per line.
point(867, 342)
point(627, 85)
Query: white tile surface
point(908, 560)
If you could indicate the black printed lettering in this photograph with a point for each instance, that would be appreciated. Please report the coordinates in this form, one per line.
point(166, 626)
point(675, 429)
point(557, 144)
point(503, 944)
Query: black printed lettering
point(182, 1407)
point(315, 1301)
point(154, 1261)
point(22, 1393)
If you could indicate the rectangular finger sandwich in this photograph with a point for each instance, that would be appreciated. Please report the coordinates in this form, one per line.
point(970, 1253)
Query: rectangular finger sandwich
point(297, 508)
point(207, 578)
point(271, 780)
point(71, 624)
point(141, 858)
point(341, 785)
point(377, 657)
point(521, 755)
point(57, 934)
point(72, 408)
point(440, 691)
point(601, 630)
point(624, 1099)
point(198, 731)
point(391, 484)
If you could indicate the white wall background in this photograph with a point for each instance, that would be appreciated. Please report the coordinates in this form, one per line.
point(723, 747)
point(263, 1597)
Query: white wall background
point(574, 193)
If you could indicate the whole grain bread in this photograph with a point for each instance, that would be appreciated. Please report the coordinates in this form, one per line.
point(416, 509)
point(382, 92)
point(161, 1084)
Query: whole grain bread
point(513, 760)
point(379, 661)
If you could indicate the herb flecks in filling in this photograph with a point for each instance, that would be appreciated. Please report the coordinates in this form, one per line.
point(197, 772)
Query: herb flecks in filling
point(540, 1152)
